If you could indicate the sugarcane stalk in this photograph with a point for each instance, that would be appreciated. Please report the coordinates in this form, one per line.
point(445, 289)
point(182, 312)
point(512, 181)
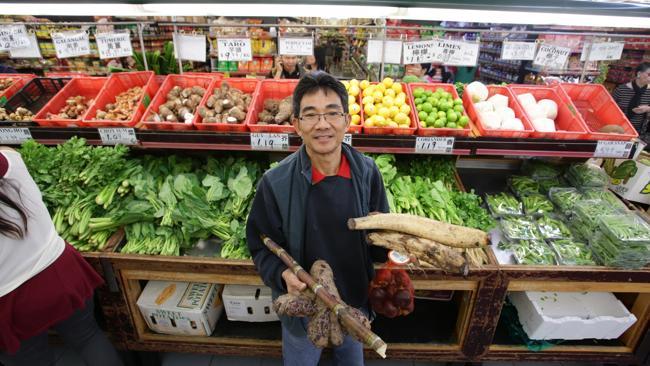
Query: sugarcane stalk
point(351, 324)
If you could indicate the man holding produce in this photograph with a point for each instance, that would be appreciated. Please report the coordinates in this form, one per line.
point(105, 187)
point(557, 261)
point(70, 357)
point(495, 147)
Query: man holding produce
point(304, 204)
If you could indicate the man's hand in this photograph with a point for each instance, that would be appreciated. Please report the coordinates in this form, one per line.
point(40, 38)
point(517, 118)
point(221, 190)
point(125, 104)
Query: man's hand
point(294, 285)
point(277, 71)
point(641, 109)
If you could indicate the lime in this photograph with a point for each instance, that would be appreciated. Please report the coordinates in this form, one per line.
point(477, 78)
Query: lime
point(430, 119)
point(459, 108)
point(463, 121)
point(439, 123)
point(423, 115)
point(427, 107)
point(451, 125)
point(418, 107)
point(458, 101)
point(434, 110)
point(452, 116)
point(442, 114)
point(418, 92)
point(428, 93)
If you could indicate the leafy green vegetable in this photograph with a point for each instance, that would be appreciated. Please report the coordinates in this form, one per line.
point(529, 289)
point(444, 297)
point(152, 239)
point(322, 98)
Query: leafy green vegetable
point(536, 204)
point(571, 252)
point(523, 185)
point(501, 204)
point(471, 211)
point(520, 228)
point(552, 227)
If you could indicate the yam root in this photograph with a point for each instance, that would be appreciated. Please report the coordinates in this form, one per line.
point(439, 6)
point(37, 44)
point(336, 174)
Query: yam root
point(226, 105)
point(292, 305)
point(439, 232)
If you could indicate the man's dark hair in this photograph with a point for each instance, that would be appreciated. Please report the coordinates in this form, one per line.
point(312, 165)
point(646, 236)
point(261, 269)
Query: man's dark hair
point(642, 67)
point(315, 81)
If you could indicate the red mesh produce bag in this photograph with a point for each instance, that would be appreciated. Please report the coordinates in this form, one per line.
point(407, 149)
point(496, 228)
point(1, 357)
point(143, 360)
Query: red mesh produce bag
point(391, 292)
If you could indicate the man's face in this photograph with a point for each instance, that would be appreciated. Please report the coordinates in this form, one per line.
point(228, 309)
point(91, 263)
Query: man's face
point(644, 77)
point(414, 69)
point(321, 135)
point(289, 62)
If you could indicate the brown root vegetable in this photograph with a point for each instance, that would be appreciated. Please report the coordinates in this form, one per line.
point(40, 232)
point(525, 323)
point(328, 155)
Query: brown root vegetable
point(611, 129)
point(292, 305)
point(440, 232)
point(238, 114)
point(226, 104)
point(271, 105)
point(318, 328)
point(284, 110)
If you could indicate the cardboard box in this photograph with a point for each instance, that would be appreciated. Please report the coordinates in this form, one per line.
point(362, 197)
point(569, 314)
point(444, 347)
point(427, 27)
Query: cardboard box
point(630, 178)
point(186, 308)
point(248, 303)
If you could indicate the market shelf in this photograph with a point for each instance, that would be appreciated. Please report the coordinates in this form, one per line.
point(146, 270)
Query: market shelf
point(490, 50)
point(200, 140)
point(564, 72)
point(500, 63)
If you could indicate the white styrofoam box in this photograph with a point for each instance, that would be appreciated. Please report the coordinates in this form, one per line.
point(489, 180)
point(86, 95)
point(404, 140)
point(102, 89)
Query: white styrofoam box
point(571, 315)
point(248, 303)
point(187, 308)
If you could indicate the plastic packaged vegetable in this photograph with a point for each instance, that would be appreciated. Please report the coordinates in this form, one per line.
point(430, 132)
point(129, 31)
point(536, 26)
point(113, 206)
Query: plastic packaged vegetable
point(545, 184)
point(540, 169)
point(553, 227)
point(533, 252)
point(626, 228)
point(573, 253)
point(564, 198)
point(501, 204)
point(536, 204)
point(605, 195)
point(585, 221)
point(616, 254)
point(520, 228)
point(521, 185)
point(587, 175)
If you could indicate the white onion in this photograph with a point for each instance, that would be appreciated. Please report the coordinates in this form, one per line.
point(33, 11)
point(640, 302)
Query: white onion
point(491, 120)
point(526, 99)
point(506, 113)
point(512, 124)
point(535, 111)
point(499, 101)
point(484, 106)
point(550, 108)
point(477, 91)
point(544, 124)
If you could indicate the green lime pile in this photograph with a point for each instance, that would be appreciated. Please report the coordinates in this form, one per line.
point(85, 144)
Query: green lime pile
point(439, 109)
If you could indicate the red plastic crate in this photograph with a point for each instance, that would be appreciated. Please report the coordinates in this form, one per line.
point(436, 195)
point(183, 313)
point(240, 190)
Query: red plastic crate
point(214, 75)
point(88, 87)
point(249, 86)
point(568, 123)
point(431, 131)
point(160, 98)
point(270, 89)
point(597, 109)
point(118, 83)
point(392, 130)
point(36, 93)
point(512, 103)
point(70, 74)
point(19, 80)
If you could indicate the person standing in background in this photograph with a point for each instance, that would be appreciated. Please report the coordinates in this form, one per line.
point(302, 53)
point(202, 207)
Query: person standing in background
point(287, 67)
point(419, 71)
point(634, 99)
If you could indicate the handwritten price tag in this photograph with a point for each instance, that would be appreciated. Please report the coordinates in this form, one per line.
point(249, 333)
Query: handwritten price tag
point(347, 138)
point(113, 45)
point(114, 136)
point(603, 51)
point(270, 141)
point(434, 145)
point(13, 36)
point(419, 52)
point(456, 53)
point(518, 50)
point(303, 46)
point(552, 57)
point(31, 51)
point(234, 49)
point(71, 44)
point(14, 135)
point(613, 149)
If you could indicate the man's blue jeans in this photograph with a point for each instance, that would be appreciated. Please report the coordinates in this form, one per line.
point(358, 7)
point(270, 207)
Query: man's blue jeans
point(299, 351)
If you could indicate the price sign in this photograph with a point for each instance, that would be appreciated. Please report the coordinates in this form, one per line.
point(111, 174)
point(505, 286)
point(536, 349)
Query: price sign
point(392, 54)
point(603, 51)
point(552, 57)
point(613, 149)
point(114, 136)
point(71, 44)
point(518, 50)
point(434, 145)
point(31, 51)
point(234, 49)
point(419, 52)
point(347, 138)
point(303, 46)
point(270, 141)
point(114, 45)
point(14, 135)
point(13, 36)
point(456, 53)
point(190, 47)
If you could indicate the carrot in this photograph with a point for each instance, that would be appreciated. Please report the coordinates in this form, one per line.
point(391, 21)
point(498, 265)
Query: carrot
point(440, 232)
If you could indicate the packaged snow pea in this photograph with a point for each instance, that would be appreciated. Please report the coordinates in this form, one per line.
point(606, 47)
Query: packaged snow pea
point(573, 253)
point(521, 185)
point(536, 204)
point(520, 228)
point(564, 198)
point(533, 252)
point(587, 175)
point(536, 168)
point(553, 227)
point(502, 204)
point(605, 195)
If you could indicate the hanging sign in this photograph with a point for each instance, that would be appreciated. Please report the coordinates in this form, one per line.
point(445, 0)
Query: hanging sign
point(234, 49)
point(445, 51)
point(392, 53)
point(13, 36)
point(302, 46)
point(434, 145)
point(31, 51)
point(71, 44)
point(114, 45)
point(518, 50)
point(419, 52)
point(114, 136)
point(14, 135)
point(602, 51)
point(270, 141)
point(552, 57)
point(190, 47)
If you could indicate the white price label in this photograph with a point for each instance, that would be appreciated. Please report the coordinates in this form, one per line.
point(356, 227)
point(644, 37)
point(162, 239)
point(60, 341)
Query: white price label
point(392, 53)
point(234, 49)
point(552, 57)
point(71, 44)
point(419, 52)
point(434, 145)
point(603, 51)
point(270, 141)
point(613, 149)
point(445, 51)
point(190, 47)
point(14, 135)
point(13, 36)
point(303, 46)
point(31, 51)
point(114, 45)
point(518, 50)
point(114, 136)
point(347, 138)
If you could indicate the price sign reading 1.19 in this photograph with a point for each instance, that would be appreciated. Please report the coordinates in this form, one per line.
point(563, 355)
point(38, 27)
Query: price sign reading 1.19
point(270, 141)
point(434, 145)
point(114, 136)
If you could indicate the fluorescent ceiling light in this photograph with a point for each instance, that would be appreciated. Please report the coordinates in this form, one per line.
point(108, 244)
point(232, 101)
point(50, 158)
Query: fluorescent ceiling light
point(324, 11)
